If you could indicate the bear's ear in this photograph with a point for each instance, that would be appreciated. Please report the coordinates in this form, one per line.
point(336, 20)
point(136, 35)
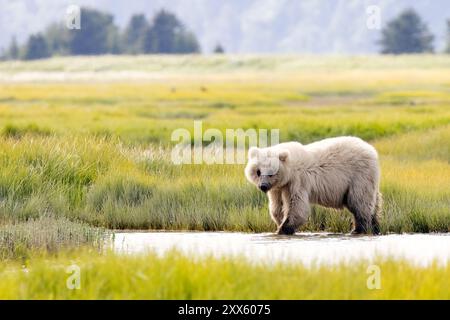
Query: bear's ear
point(283, 155)
point(252, 152)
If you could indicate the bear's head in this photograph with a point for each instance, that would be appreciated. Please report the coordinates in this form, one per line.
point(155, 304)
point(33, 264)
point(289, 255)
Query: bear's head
point(266, 167)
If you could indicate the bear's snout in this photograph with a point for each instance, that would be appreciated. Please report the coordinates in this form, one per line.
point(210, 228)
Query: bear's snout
point(264, 187)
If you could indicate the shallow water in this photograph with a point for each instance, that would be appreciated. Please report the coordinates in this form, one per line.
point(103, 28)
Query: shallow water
point(308, 248)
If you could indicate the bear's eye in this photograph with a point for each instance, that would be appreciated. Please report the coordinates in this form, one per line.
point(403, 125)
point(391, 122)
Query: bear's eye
point(270, 175)
point(258, 172)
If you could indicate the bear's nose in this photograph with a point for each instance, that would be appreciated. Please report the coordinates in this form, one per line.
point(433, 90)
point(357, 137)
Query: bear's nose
point(264, 187)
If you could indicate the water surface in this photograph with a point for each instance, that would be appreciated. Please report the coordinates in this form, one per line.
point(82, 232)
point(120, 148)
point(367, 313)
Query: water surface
point(308, 248)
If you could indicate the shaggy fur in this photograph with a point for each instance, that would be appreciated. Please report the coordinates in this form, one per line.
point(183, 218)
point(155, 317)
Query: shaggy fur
point(336, 173)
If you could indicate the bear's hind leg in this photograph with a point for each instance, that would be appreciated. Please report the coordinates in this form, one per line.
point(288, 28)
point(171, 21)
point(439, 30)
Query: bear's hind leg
point(376, 229)
point(375, 225)
point(361, 225)
point(361, 203)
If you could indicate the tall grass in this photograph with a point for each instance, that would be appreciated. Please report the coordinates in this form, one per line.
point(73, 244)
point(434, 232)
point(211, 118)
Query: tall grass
point(175, 276)
point(107, 184)
point(99, 152)
point(47, 235)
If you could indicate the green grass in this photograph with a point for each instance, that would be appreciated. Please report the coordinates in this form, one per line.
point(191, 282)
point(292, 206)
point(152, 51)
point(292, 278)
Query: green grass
point(106, 184)
point(97, 150)
point(85, 146)
point(47, 235)
point(175, 276)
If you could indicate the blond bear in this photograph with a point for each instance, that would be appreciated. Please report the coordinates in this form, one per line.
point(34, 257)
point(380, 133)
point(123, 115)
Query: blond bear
point(336, 173)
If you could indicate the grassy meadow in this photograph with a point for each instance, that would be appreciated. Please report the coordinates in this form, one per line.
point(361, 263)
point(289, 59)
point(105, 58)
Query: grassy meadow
point(175, 276)
point(88, 139)
point(85, 148)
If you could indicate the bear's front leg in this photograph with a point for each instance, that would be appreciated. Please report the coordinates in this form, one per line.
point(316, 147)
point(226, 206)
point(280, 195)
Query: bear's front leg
point(296, 212)
point(276, 206)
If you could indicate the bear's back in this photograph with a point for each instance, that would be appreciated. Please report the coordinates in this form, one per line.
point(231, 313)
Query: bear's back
point(345, 144)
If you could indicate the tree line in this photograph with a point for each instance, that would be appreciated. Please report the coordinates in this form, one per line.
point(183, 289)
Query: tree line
point(406, 33)
point(98, 34)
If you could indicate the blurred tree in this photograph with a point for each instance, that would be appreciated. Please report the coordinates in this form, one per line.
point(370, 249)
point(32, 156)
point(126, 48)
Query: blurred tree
point(134, 35)
point(186, 42)
point(406, 34)
point(168, 35)
point(58, 38)
point(36, 48)
point(98, 34)
point(114, 41)
point(150, 44)
point(164, 28)
point(447, 49)
point(13, 50)
point(219, 49)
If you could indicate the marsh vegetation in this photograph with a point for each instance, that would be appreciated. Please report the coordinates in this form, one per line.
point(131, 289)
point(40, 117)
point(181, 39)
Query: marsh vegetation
point(176, 276)
point(99, 152)
point(85, 147)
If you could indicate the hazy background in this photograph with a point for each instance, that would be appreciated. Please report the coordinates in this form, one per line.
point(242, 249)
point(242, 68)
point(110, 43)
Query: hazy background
point(244, 26)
